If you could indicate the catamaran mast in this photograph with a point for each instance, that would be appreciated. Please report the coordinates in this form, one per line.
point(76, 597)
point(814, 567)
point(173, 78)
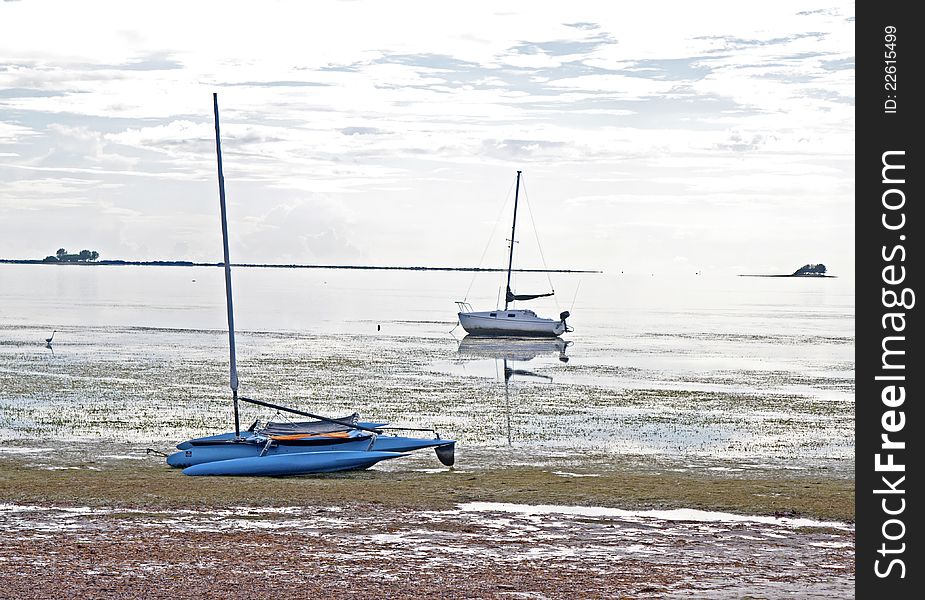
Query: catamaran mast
point(510, 260)
point(221, 197)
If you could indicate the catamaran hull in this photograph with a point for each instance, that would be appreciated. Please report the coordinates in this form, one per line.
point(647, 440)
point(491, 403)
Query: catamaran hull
point(229, 450)
point(482, 323)
point(299, 463)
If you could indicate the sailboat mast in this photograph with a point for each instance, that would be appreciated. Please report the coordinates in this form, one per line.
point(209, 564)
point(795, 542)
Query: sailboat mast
point(510, 260)
point(221, 197)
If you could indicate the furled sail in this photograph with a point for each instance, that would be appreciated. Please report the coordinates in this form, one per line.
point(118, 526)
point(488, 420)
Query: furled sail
point(309, 427)
point(511, 296)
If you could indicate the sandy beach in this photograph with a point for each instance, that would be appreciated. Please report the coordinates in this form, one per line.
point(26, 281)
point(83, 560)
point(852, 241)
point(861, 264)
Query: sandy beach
point(142, 531)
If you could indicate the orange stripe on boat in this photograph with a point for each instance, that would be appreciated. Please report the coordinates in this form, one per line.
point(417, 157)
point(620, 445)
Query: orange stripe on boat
point(301, 436)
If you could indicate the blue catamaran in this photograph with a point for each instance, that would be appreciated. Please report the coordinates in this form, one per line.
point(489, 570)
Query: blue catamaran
point(320, 445)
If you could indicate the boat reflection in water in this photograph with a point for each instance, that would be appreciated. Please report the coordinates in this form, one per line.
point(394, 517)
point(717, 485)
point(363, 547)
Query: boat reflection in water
point(512, 350)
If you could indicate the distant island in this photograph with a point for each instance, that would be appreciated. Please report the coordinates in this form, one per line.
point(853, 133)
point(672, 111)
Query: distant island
point(817, 270)
point(91, 257)
point(62, 256)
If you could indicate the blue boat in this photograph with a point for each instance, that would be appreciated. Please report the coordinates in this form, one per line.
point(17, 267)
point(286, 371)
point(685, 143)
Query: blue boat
point(297, 463)
point(323, 445)
point(226, 446)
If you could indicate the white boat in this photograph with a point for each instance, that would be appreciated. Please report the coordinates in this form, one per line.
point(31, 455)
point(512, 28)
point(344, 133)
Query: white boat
point(512, 321)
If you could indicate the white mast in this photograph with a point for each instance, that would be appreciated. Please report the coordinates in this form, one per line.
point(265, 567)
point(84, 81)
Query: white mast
point(510, 260)
point(221, 197)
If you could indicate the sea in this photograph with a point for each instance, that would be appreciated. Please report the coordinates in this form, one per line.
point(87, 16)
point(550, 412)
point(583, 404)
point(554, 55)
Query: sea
point(698, 372)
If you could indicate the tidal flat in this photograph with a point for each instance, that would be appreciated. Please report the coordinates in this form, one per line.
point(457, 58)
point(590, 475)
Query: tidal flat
point(719, 492)
point(152, 387)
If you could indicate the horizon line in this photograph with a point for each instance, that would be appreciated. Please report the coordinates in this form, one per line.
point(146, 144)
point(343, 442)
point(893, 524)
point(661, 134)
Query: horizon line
point(186, 263)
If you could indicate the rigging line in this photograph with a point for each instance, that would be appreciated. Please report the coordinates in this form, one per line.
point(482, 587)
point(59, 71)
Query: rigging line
point(575, 297)
point(488, 245)
point(536, 235)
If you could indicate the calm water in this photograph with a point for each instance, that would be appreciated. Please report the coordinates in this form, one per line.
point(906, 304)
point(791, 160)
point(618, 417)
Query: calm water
point(713, 373)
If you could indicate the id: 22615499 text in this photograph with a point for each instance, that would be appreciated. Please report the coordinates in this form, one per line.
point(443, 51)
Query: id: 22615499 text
point(889, 69)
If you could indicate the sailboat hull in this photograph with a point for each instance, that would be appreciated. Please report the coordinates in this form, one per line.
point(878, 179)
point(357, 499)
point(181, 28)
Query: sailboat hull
point(298, 463)
point(520, 323)
point(228, 449)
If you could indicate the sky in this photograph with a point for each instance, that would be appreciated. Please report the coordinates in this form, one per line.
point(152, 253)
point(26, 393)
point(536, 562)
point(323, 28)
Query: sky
point(663, 137)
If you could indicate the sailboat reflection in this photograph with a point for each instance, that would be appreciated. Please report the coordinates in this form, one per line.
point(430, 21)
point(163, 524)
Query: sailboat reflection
point(511, 350)
point(509, 374)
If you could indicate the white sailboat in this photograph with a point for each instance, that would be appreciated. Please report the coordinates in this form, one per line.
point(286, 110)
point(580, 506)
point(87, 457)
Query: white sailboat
point(512, 321)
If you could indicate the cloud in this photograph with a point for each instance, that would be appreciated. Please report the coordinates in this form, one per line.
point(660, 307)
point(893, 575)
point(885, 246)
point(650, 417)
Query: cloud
point(306, 230)
point(361, 131)
point(11, 133)
point(585, 26)
point(737, 143)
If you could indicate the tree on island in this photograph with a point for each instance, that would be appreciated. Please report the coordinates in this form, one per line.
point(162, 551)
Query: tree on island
point(811, 270)
point(83, 256)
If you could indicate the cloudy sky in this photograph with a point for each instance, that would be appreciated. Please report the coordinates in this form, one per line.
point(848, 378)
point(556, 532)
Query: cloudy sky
point(654, 136)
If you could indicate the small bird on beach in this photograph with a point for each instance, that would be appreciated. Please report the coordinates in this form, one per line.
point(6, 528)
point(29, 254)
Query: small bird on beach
point(48, 339)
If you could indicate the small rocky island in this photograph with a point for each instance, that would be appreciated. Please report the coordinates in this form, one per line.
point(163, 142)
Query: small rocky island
point(810, 270)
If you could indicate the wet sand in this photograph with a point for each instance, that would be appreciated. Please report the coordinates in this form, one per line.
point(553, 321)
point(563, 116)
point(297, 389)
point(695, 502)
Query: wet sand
point(368, 549)
point(143, 530)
